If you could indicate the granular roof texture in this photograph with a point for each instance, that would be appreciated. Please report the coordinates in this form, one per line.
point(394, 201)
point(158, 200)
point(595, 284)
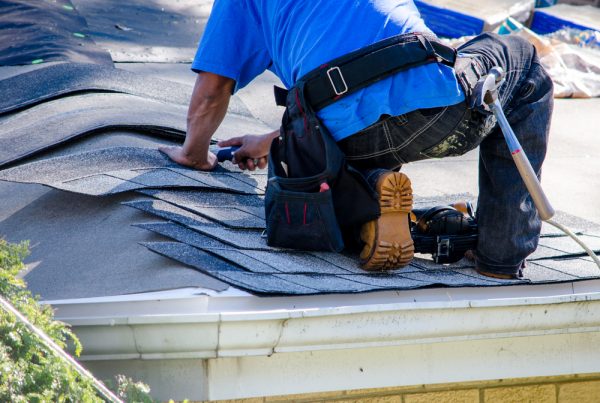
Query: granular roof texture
point(216, 226)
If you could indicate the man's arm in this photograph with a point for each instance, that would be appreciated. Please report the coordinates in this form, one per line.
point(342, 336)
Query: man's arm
point(208, 107)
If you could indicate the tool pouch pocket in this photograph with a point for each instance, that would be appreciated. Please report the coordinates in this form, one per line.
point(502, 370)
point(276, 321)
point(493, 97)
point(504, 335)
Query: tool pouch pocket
point(302, 220)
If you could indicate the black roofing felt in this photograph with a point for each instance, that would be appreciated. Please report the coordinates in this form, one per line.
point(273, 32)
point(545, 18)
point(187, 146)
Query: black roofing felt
point(58, 80)
point(137, 30)
point(34, 31)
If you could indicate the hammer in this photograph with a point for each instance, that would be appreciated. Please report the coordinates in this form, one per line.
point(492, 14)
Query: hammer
point(486, 92)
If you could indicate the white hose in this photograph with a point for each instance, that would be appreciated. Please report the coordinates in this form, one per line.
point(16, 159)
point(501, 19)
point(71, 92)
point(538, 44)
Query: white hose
point(576, 239)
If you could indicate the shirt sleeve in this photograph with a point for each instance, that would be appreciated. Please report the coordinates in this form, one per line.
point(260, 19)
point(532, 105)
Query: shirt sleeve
point(233, 44)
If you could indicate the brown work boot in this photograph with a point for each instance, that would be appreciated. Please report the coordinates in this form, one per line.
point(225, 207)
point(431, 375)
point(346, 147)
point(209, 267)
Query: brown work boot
point(500, 276)
point(388, 244)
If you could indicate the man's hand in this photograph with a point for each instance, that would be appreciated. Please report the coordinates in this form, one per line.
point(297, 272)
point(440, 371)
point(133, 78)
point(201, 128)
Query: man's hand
point(206, 112)
point(177, 154)
point(253, 150)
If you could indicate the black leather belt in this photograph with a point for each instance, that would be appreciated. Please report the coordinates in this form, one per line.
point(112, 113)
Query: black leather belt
point(353, 71)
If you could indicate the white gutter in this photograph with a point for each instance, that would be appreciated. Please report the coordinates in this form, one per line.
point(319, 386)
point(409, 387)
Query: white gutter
point(201, 332)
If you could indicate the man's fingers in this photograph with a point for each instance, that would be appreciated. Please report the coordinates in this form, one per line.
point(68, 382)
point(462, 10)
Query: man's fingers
point(170, 151)
point(262, 163)
point(240, 155)
point(250, 164)
point(234, 141)
point(165, 149)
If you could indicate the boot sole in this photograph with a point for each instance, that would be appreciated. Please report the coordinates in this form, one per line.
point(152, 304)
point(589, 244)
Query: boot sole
point(393, 246)
point(500, 276)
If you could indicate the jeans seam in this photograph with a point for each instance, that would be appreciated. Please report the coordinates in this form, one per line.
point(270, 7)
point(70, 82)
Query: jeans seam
point(409, 140)
point(404, 144)
point(388, 136)
point(376, 153)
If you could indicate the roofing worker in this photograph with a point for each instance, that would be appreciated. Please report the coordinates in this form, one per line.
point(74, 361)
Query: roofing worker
point(420, 110)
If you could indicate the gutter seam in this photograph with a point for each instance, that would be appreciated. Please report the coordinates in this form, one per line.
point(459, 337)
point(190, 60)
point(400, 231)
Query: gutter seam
point(135, 340)
point(281, 329)
point(218, 346)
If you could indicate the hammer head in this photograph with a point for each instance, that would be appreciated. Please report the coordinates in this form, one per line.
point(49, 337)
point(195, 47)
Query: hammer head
point(486, 89)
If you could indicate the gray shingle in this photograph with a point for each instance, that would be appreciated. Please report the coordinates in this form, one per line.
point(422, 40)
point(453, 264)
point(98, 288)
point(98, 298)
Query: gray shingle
point(169, 212)
point(294, 262)
point(540, 273)
point(196, 198)
point(582, 267)
point(331, 272)
point(222, 270)
point(182, 234)
point(138, 168)
point(191, 256)
point(156, 177)
point(56, 122)
point(254, 261)
point(328, 284)
point(221, 179)
point(242, 239)
point(452, 278)
point(391, 281)
point(58, 80)
point(561, 246)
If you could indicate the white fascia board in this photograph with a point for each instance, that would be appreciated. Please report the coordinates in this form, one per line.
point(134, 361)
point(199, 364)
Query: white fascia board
point(256, 333)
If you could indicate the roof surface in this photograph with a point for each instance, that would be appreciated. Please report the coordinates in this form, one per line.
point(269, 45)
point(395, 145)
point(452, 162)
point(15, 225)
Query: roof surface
point(90, 246)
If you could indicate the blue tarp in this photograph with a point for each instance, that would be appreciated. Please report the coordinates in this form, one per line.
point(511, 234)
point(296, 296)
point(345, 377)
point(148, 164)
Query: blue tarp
point(448, 23)
point(545, 23)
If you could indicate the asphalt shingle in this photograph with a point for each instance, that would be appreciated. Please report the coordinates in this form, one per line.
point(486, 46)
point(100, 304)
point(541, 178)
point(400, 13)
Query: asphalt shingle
point(325, 272)
point(58, 80)
point(119, 169)
point(57, 122)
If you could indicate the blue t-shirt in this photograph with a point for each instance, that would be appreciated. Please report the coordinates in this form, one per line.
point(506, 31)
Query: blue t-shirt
point(292, 37)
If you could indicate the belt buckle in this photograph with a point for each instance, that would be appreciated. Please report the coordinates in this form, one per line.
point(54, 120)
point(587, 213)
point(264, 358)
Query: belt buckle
point(345, 89)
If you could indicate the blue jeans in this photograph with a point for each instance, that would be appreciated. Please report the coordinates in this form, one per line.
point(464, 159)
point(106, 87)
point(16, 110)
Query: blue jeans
point(508, 223)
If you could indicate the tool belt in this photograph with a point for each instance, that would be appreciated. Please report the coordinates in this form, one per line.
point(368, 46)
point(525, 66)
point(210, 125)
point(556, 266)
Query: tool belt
point(361, 68)
point(313, 196)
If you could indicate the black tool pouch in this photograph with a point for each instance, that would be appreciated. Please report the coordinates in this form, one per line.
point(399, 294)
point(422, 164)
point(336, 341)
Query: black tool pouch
point(312, 195)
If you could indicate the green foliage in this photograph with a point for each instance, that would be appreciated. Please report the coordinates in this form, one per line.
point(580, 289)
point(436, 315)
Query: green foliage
point(29, 372)
point(132, 391)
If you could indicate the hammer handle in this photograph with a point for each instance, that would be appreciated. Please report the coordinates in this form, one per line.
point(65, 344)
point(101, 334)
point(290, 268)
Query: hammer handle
point(523, 165)
point(533, 186)
point(226, 154)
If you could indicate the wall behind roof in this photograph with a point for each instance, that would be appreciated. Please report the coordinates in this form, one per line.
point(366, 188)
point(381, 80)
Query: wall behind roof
point(562, 389)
